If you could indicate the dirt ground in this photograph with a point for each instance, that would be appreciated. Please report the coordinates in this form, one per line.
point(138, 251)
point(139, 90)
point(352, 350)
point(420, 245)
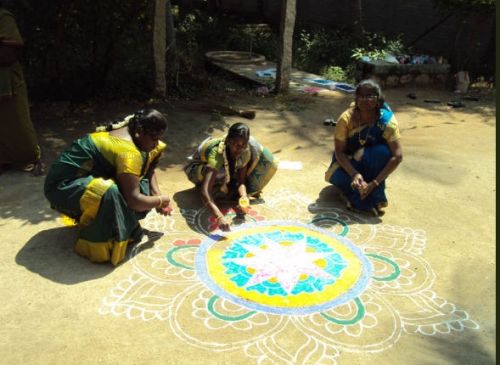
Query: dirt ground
point(58, 308)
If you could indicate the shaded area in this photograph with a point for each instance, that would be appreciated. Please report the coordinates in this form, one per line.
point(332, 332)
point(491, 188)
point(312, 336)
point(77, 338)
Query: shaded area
point(50, 254)
point(290, 125)
point(21, 196)
point(328, 198)
point(188, 201)
point(190, 207)
point(465, 349)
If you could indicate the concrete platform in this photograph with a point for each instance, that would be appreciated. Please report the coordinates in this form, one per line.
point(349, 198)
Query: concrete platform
point(298, 79)
point(391, 74)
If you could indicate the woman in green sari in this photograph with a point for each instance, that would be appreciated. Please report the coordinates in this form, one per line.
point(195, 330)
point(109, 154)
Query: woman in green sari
point(18, 142)
point(107, 182)
point(235, 165)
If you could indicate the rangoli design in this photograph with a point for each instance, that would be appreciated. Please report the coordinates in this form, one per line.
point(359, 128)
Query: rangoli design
point(295, 283)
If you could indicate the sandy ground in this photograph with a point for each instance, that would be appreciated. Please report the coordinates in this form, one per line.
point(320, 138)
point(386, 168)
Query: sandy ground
point(58, 308)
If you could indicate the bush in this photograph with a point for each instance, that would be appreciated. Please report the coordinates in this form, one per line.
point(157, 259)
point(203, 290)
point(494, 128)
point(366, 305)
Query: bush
point(377, 47)
point(337, 73)
point(317, 46)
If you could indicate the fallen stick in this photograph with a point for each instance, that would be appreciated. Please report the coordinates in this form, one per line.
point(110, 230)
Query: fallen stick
point(218, 108)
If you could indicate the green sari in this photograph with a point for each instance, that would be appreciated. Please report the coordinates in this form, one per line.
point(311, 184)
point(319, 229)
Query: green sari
point(18, 141)
point(81, 184)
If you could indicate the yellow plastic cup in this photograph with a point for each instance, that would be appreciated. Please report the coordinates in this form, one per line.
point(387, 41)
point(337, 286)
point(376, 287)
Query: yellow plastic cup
point(244, 204)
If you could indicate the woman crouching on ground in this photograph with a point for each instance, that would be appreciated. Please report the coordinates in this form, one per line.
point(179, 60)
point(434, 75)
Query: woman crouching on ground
point(367, 150)
point(235, 165)
point(107, 182)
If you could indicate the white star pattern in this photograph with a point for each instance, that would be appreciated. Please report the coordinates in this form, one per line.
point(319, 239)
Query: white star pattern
point(283, 261)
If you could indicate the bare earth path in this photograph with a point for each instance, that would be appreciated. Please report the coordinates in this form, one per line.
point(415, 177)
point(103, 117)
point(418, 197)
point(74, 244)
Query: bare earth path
point(430, 299)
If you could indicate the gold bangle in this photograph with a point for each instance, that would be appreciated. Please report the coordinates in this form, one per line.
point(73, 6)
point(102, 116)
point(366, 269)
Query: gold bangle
point(161, 201)
point(376, 182)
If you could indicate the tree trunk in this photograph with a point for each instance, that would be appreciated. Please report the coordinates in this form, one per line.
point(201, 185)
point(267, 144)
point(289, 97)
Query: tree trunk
point(172, 63)
point(159, 47)
point(357, 15)
point(288, 13)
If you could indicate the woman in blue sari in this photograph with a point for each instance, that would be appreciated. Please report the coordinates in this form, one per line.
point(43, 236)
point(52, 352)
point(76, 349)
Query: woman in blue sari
point(367, 150)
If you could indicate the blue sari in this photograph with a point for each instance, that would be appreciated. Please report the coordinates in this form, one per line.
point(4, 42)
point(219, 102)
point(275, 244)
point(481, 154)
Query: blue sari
point(368, 151)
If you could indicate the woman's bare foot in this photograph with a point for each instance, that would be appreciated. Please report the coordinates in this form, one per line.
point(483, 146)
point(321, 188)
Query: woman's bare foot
point(38, 169)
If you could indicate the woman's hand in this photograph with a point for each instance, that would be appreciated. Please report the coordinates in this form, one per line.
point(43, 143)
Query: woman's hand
point(164, 207)
point(223, 224)
point(368, 189)
point(358, 183)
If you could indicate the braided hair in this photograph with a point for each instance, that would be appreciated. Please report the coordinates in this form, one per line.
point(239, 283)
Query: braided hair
point(148, 120)
point(237, 130)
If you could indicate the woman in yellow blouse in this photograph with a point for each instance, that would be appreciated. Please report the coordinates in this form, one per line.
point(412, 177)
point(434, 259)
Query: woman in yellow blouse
point(367, 150)
point(107, 182)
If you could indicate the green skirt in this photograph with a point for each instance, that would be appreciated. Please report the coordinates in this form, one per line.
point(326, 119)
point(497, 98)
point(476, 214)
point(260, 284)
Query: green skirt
point(106, 224)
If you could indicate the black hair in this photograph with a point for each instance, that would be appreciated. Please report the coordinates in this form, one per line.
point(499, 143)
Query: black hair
point(150, 121)
point(238, 130)
point(372, 85)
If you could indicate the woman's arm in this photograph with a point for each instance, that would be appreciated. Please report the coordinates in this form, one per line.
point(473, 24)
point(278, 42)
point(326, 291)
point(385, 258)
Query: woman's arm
point(394, 161)
point(392, 164)
point(129, 187)
point(165, 209)
point(358, 181)
point(243, 202)
point(242, 189)
point(8, 53)
point(153, 184)
point(207, 198)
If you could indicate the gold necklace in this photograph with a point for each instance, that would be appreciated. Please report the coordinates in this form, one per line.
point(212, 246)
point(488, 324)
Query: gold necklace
point(363, 141)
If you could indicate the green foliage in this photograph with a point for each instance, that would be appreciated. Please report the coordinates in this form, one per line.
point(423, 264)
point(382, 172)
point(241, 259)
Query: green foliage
point(339, 74)
point(261, 40)
point(317, 46)
point(464, 6)
point(77, 49)
point(82, 48)
point(377, 47)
